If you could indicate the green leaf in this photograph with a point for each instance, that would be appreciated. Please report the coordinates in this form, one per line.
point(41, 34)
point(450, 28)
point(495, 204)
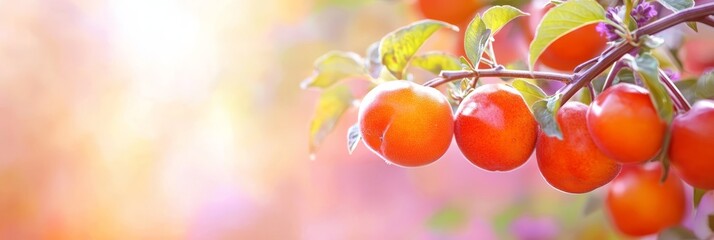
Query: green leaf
point(651, 42)
point(705, 85)
point(435, 62)
point(475, 40)
point(688, 88)
point(333, 67)
point(561, 20)
point(676, 233)
point(625, 75)
point(398, 47)
point(530, 92)
point(647, 67)
point(498, 16)
point(698, 194)
point(353, 137)
point(448, 219)
point(545, 112)
point(676, 5)
point(710, 222)
point(331, 106)
point(693, 26)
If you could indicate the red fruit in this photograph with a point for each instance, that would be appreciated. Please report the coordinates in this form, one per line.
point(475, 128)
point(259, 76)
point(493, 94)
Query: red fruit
point(406, 123)
point(570, 50)
point(639, 204)
point(624, 124)
point(574, 164)
point(494, 129)
point(692, 145)
point(451, 11)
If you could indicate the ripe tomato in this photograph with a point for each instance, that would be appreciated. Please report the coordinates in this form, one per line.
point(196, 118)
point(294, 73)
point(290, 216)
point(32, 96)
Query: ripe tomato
point(452, 11)
point(625, 125)
point(692, 145)
point(639, 204)
point(574, 164)
point(406, 123)
point(494, 128)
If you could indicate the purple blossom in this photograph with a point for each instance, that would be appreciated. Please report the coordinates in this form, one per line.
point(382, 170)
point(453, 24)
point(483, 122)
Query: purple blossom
point(607, 30)
point(643, 13)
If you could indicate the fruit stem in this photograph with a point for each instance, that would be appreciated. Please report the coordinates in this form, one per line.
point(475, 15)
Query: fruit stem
point(674, 93)
point(448, 76)
point(612, 74)
point(696, 13)
point(591, 89)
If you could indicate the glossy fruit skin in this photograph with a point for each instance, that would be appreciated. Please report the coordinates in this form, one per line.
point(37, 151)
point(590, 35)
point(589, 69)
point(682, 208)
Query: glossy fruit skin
point(625, 125)
point(450, 11)
point(570, 50)
point(574, 164)
point(494, 128)
point(639, 204)
point(405, 123)
point(691, 149)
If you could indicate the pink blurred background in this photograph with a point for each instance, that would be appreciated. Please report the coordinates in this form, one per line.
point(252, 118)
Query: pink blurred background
point(130, 119)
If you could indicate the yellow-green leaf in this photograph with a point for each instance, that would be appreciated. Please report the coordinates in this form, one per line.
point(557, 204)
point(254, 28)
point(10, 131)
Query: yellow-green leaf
point(475, 40)
point(647, 67)
point(435, 62)
point(705, 85)
point(530, 92)
point(498, 16)
point(333, 67)
point(561, 20)
point(545, 112)
point(332, 104)
point(398, 47)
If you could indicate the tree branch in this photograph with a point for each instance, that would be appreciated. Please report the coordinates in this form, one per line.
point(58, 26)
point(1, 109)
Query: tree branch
point(707, 20)
point(580, 80)
point(448, 76)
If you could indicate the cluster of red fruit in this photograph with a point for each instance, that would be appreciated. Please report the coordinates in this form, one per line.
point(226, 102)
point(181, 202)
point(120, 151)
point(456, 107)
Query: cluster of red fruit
point(411, 125)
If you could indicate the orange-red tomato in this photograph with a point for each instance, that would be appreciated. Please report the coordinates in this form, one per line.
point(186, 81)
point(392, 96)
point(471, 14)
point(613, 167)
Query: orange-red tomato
point(625, 125)
point(639, 204)
point(406, 123)
point(570, 50)
point(494, 128)
point(692, 145)
point(574, 164)
point(451, 11)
